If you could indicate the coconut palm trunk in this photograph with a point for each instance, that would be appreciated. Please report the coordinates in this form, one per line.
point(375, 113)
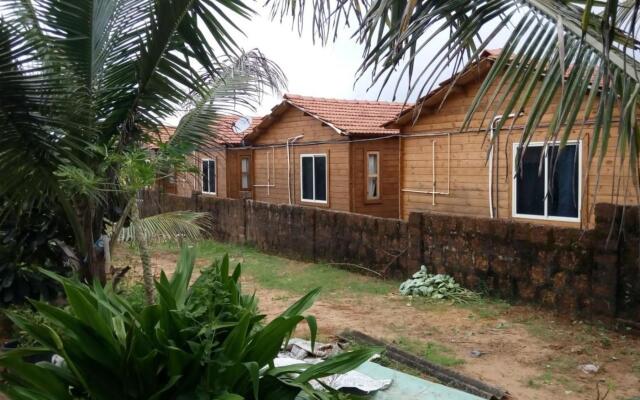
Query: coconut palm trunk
point(84, 82)
point(145, 259)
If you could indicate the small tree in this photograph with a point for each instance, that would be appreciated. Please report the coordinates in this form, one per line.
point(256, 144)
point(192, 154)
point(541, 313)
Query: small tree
point(85, 78)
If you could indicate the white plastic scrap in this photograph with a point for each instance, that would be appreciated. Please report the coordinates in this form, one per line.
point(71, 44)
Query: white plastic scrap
point(301, 349)
point(589, 368)
point(349, 380)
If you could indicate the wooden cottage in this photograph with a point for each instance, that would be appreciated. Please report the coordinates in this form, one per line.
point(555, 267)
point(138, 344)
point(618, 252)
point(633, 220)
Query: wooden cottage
point(327, 153)
point(224, 165)
point(447, 171)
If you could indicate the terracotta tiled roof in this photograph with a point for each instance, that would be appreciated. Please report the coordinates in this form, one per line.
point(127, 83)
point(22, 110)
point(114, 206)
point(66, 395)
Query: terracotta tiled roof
point(162, 136)
point(350, 117)
point(474, 71)
point(224, 133)
point(482, 66)
point(165, 133)
point(347, 117)
point(221, 131)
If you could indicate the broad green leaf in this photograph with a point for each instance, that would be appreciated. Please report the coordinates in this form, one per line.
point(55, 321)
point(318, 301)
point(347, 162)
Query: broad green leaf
point(302, 305)
point(35, 376)
point(339, 364)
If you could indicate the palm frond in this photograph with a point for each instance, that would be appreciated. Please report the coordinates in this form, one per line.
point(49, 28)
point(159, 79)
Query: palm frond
point(170, 226)
point(165, 52)
point(558, 52)
point(239, 84)
point(39, 119)
point(81, 75)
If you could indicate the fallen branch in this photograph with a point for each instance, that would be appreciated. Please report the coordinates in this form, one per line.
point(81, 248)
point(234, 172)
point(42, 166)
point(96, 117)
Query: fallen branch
point(598, 392)
point(357, 266)
point(394, 259)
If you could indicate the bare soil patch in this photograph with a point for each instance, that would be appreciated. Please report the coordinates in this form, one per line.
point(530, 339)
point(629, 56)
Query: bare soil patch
point(531, 353)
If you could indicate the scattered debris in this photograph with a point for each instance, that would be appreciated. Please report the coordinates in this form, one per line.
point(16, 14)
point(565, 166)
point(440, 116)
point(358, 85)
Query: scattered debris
point(299, 350)
point(57, 360)
point(589, 368)
point(350, 380)
point(476, 353)
point(577, 349)
point(502, 325)
point(446, 376)
point(436, 286)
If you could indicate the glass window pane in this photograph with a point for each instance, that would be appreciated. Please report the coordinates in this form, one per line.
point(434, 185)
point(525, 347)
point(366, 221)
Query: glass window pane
point(205, 176)
point(212, 176)
point(563, 181)
point(321, 178)
point(530, 184)
point(245, 181)
point(372, 188)
point(307, 178)
point(244, 167)
point(373, 164)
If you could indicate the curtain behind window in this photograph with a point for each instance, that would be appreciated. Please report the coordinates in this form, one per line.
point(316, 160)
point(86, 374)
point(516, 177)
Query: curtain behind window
point(563, 182)
point(530, 184)
point(307, 178)
point(209, 176)
point(321, 178)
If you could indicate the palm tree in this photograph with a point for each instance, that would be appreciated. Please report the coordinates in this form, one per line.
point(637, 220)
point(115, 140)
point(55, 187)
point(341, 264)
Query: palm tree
point(82, 79)
point(554, 47)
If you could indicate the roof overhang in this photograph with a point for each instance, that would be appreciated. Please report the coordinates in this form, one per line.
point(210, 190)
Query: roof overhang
point(434, 99)
point(275, 114)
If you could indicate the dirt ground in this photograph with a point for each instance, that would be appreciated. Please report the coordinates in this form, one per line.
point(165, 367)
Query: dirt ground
point(531, 353)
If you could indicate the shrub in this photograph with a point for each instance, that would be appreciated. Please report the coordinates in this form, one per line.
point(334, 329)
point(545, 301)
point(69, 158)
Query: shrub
point(204, 341)
point(17, 336)
point(26, 244)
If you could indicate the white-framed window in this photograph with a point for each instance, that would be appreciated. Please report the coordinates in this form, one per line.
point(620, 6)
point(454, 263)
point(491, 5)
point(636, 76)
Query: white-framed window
point(552, 191)
point(209, 176)
point(244, 173)
point(373, 175)
point(313, 178)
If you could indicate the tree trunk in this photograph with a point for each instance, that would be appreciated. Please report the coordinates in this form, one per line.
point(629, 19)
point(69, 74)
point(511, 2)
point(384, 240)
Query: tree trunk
point(147, 271)
point(117, 229)
point(94, 257)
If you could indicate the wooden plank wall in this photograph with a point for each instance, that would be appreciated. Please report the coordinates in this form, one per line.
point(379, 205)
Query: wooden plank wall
point(234, 175)
point(272, 142)
point(193, 182)
point(388, 205)
point(469, 190)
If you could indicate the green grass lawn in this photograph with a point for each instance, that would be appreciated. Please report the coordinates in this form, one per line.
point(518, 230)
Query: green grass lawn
point(273, 272)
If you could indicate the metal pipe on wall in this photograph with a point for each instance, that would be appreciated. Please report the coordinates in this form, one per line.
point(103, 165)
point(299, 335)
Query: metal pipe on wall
point(492, 133)
point(269, 185)
point(433, 172)
point(433, 192)
point(290, 142)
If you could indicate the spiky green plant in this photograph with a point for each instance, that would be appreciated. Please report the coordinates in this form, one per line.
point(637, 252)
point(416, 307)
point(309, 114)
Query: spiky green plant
point(199, 341)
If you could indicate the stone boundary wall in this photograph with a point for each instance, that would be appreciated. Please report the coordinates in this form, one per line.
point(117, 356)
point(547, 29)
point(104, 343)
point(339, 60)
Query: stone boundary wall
point(585, 274)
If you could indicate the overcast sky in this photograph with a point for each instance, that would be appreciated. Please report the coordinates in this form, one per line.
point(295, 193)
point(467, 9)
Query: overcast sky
point(316, 70)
